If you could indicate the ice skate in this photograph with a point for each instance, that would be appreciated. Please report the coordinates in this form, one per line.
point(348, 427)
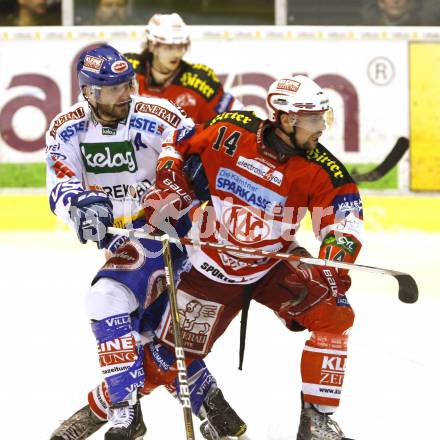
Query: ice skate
point(318, 426)
point(79, 426)
point(126, 421)
point(221, 422)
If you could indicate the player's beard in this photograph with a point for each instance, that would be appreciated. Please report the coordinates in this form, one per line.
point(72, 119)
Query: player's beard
point(114, 113)
point(310, 143)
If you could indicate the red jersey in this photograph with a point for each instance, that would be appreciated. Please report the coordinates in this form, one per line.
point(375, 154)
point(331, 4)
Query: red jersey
point(193, 87)
point(259, 200)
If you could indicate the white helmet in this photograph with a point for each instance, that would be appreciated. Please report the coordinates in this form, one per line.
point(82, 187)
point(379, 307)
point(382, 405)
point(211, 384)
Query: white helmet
point(294, 95)
point(167, 29)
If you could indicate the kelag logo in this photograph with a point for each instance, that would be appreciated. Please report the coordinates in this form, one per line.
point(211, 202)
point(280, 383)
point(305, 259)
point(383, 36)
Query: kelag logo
point(249, 191)
point(109, 157)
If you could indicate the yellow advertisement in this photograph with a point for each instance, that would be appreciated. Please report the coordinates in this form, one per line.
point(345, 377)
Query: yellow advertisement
point(425, 116)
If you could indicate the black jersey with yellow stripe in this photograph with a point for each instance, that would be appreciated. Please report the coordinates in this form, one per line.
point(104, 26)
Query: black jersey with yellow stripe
point(200, 78)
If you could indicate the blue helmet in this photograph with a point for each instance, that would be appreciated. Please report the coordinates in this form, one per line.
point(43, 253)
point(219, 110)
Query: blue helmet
point(103, 66)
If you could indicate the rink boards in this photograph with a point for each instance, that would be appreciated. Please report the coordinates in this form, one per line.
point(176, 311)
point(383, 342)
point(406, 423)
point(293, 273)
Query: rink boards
point(381, 81)
point(382, 213)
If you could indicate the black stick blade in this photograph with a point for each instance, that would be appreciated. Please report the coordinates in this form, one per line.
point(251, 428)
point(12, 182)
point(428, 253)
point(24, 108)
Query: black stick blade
point(388, 163)
point(408, 290)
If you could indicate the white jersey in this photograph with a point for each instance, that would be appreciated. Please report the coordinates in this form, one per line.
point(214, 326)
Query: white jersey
point(82, 154)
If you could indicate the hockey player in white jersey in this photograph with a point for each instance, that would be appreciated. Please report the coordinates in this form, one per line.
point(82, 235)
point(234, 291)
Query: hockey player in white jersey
point(97, 152)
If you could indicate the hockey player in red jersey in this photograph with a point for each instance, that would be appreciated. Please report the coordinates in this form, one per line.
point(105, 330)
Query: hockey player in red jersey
point(161, 71)
point(263, 175)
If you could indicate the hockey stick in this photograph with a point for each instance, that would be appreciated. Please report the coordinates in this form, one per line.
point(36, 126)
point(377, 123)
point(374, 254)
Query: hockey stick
point(178, 343)
point(408, 290)
point(387, 164)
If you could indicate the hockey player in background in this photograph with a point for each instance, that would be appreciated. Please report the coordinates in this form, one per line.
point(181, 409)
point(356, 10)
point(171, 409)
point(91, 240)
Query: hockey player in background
point(96, 152)
point(161, 71)
point(263, 176)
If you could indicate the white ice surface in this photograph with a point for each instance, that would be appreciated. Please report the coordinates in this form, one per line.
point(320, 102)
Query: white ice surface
point(48, 362)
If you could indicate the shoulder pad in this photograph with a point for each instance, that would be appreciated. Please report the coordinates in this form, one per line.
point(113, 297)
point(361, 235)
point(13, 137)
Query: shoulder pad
point(330, 164)
point(199, 78)
point(137, 61)
point(159, 107)
point(77, 112)
point(242, 118)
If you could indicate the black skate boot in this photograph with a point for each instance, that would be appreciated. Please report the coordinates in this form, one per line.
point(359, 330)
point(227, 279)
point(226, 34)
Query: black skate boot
point(221, 420)
point(79, 426)
point(315, 425)
point(126, 421)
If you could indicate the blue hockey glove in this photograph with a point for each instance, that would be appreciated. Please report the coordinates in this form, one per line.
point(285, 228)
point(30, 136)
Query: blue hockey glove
point(195, 172)
point(92, 214)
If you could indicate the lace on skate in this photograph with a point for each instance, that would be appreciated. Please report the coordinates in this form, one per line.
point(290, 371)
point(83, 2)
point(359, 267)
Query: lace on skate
point(331, 426)
point(121, 416)
point(325, 428)
point(318, 426)
point(127, 423)
point(222, 422)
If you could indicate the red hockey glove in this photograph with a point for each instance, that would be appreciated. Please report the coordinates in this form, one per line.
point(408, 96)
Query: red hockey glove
point(312, 284)
point(166, 201)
